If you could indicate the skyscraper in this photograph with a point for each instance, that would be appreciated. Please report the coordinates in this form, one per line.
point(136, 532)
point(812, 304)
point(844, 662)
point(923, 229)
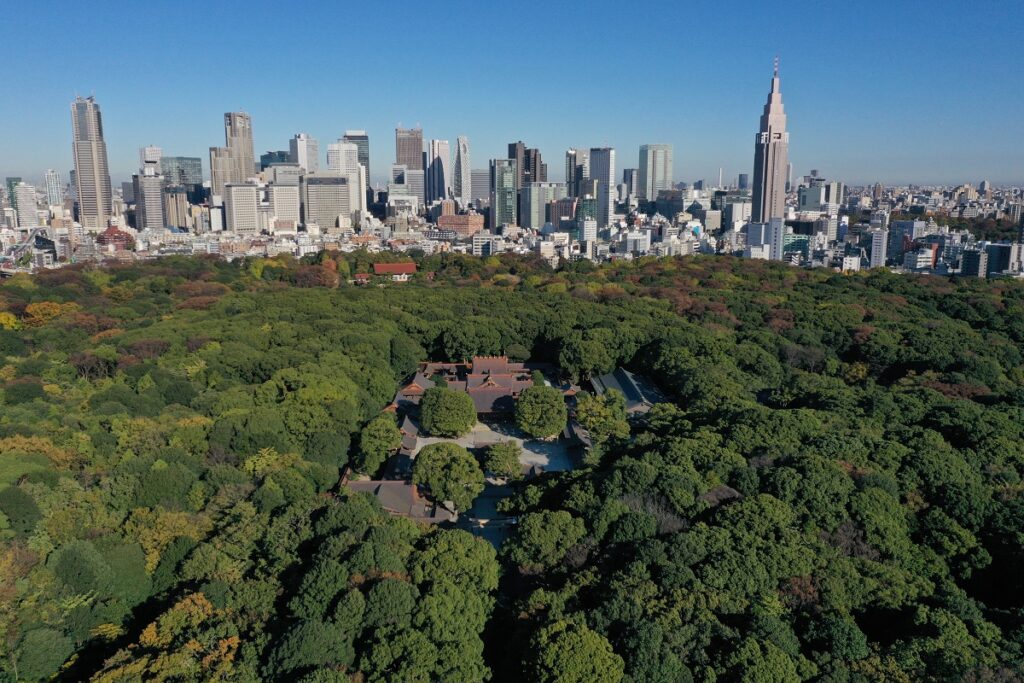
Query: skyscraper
point(602, 169)
point(771, 158)
point(92, 174)
point(744, 181)
point(329, 201)
point(530, 165)
point(462, 180)
point(304, 151)
point(12, 182)
point(176, 208)
point(54, 190)
point(150, 155)
point(362, 141)
point(343, 160)
point(503, 192)
point(631, 179)
point(236, 162)
point(284, 203)
point(148, 189)
point(480, 186)
point(343, 157)
point(238, 139)
point(409, 148)
point(577, 169)
point(655, 171)
point(536, 199)
point(439, 170)
point(221, 167)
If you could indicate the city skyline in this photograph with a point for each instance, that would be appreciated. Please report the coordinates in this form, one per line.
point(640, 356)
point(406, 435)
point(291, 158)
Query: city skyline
point(860, 110)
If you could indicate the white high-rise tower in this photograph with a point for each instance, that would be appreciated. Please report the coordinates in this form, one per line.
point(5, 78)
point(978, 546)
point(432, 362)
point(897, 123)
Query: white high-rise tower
point(54, 190)
point(305, 151)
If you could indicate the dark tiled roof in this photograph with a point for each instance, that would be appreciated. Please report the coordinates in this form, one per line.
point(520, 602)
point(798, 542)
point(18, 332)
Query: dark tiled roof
point(492, 400)
point(401, 498)
point(638, 391)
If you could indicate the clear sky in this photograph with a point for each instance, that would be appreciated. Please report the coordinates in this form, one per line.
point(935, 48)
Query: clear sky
point(928, 91)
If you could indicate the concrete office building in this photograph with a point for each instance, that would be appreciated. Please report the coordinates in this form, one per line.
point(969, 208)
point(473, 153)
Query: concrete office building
point(655, 171)
point(241, 208)
point(362, 142)
point(480, 187)
point(342, 157)
point(407, 182)
point(284, 203)
point(329, 201)
point(304, 150)
point(536, 197)
point(176, 208)
point(148, 188)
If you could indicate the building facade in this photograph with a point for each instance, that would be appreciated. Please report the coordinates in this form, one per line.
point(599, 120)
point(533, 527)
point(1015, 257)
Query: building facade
point(409, 148)
point(503, 192)
point(439, 170)
point(304, 150)
point(462, 179)
point(602, 170)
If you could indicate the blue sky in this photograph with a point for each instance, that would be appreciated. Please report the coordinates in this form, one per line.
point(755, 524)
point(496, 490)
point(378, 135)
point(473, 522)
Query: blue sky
point(916, 91)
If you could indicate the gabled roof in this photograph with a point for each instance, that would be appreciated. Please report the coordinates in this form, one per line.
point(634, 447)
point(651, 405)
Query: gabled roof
point(418, 384)
point(401, 498)
point(638, 391)
point(394, 268)
point(492, 400)
point(482, 364)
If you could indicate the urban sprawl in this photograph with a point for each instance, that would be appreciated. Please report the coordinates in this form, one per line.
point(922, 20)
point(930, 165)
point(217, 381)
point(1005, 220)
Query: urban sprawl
point(436, 201)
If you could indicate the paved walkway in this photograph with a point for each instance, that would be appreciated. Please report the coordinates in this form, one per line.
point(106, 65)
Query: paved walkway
point(550, 456)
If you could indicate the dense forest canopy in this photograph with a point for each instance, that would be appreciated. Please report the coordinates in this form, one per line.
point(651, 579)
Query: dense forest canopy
point(832, 490)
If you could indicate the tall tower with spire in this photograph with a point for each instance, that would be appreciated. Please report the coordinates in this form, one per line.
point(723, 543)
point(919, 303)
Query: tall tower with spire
point(771, 157)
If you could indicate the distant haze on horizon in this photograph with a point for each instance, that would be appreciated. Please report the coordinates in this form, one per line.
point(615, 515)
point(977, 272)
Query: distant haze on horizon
point(875, 94)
